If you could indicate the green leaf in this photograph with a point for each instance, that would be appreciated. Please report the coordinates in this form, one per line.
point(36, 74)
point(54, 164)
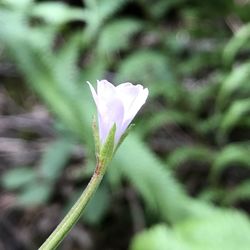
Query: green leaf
point(34, 194)
point(97, 207)
point(57, 13)
point(240, 39)
point(158, 238)
point(234, 153)
point(224, 230)
point(18, 177)
point(18, 4)
point(55, 158)
point(125, 28)
point(236, 81)
point(164, 118)
point(162, 194)
point(233, 116)
point(239, 193)
point(197, 153)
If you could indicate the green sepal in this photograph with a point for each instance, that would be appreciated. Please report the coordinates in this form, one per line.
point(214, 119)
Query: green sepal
point(124, 135)
point(96, 137)
point(107, 150)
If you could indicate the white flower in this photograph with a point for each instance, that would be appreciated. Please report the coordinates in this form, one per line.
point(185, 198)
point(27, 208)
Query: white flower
point(117, 105)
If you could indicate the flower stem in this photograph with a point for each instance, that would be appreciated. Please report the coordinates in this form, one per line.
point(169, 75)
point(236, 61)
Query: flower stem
point(76, 211)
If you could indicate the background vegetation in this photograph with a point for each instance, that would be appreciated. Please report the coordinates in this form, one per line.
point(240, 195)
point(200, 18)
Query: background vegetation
point(181, 179)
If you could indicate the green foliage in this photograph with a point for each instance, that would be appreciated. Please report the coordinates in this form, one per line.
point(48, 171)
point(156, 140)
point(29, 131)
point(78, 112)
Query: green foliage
point(146, 66)
point(199, 99)
point(217, 232)
point(18, 177)
point(108, 45)
point(98, 206)
point(240, 40)
point(57, 13)
point(55, 158)
point(234, 153)
point(35, 186)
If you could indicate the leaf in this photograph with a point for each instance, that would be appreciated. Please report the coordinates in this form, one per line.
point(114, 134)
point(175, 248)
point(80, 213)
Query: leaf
point(55, 158)
point(97, 207)
point(34, 194)
point(236, 81)
point(159, 8)
point(18, 4)
point(159, 237)
point(164, 118)
point(125, 28)
point(234, 153)
point(18, 177)
point(198, 153)
point(57, 13)
point(235, 113)
point(97, 12)
point(149, 176)
point(240, 39)
point(220, 231)
point(239, 193)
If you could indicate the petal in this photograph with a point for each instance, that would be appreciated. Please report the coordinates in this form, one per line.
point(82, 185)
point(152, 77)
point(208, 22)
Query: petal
point(137, 103)
point(113, 113)
point(127, 92)
point(105, 90)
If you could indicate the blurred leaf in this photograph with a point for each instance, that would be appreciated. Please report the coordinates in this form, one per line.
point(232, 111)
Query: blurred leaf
point(55, 158)
point(220, 231)
point(97, 12)
point(35, 194)
point(57, 13)
point(236, 81)
point(162, 194)
point(158, 238)
point(235, 153)
point(232, 117)
point(240, 39)
point(18, 4)
point(239, 193)
point(197, 153)
point(97, 207)
point(159, 8)
point(163, 118)
point(125, 28)
point(18, 177)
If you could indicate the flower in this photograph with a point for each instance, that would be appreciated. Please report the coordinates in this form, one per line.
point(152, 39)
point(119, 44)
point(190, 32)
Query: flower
point(117, 105)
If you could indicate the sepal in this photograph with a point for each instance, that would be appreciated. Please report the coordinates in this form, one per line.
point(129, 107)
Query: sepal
point(96, 137)
point(107, 149)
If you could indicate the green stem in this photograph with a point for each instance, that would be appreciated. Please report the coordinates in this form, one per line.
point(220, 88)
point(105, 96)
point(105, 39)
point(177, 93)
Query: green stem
point(76, 211)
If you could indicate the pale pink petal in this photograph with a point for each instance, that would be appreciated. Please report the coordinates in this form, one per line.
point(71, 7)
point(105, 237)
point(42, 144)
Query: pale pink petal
point(134, 108)
point(113, 114)
point(105, 90)
point(127, 92)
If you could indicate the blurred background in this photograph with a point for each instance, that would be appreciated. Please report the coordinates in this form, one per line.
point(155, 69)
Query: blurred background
point(181, 180)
